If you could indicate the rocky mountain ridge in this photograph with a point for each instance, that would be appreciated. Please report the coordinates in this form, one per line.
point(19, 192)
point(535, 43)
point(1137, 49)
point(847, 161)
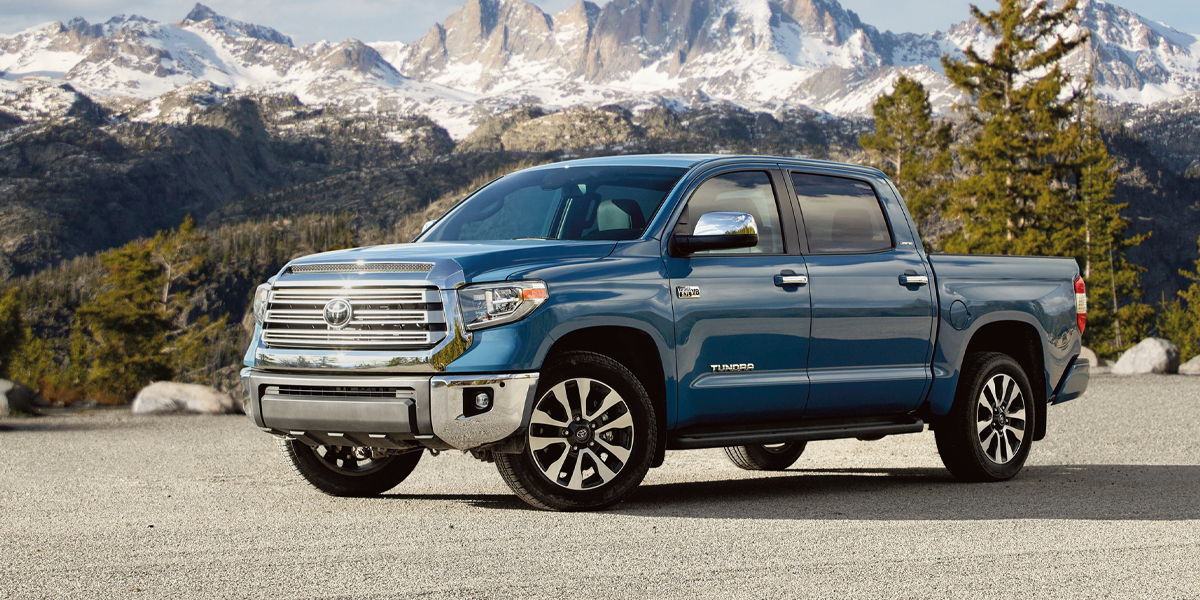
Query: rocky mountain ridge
point(493, 55)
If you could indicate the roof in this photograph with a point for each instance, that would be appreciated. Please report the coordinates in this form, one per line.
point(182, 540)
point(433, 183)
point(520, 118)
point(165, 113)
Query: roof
point(688, 161)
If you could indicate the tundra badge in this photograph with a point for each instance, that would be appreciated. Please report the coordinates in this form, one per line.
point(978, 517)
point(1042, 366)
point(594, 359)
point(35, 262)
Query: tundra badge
point(687, 291)
point(737, 367)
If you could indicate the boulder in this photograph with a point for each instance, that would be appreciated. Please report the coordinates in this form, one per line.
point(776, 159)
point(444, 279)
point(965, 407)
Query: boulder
point(1151, 355)
point(15, 397)
point(1191, 367)
point(170, 397)
point(1099, 365)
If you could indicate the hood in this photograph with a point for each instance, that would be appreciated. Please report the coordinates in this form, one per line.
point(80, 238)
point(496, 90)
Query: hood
point(477, 261)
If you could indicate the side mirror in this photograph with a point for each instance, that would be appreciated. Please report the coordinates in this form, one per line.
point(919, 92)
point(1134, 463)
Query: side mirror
point(427, 225)
point(719, 231)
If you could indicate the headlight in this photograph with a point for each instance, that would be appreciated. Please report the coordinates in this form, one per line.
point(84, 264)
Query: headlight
point(492, 304)
point(261, 296)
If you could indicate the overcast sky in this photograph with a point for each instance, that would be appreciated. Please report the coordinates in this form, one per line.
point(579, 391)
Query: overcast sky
point(406, 20)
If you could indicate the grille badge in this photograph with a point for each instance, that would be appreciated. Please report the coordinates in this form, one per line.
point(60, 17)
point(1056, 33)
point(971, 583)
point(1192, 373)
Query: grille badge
point(338, 313)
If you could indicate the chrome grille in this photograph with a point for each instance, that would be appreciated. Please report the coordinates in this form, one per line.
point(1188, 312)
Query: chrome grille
point(363, 268)
point(382, 318)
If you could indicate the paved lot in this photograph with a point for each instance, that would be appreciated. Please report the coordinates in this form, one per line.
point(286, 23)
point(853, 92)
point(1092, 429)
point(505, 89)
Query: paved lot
point(112, 506)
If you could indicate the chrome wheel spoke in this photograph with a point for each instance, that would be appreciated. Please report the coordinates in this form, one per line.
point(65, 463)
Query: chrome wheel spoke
point(606, 474)
point(555, 468)
point(610, 400)
point(576, 481)
point(537, 443)
point(620, 422)
point(541, 417)
point(621, 453)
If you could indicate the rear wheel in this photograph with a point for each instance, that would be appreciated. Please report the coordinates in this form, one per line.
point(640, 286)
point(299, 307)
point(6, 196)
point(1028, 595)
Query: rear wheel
point(591, 436)
point(989, 431)
point(349, 470)
point(765, 457)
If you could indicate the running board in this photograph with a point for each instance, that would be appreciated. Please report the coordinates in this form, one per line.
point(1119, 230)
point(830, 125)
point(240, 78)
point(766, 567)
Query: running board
point(816, 429)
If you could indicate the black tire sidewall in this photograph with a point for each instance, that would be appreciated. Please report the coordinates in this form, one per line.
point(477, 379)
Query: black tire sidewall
point(600, 368)
point(314, 470)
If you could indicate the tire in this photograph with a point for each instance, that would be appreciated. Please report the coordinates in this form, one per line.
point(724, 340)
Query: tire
point(975, 440)
point(591, 416)
point(335, 471)
point(759, 457)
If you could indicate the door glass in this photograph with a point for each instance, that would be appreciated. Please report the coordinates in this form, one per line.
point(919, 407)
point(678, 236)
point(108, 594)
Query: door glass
point(749, 192)
point(841, 215)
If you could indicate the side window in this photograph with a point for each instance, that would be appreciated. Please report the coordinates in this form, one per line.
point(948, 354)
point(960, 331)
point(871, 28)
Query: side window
point(841, 215)
point(749, 192)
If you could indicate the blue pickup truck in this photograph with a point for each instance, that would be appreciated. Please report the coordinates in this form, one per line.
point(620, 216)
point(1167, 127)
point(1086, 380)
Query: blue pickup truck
point(572, 322)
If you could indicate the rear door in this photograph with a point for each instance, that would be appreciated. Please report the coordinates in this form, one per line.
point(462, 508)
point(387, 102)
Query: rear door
point(872, 305)
point(741, 332)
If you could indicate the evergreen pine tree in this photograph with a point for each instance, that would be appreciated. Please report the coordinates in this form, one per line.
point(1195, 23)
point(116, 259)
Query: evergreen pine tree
point(910, 147)
point(12, 331)
point(124, 331)
point(1014, 199)
point(1179, 319)
point(1116, 317)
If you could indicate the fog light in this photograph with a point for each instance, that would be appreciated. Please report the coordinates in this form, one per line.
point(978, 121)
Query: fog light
point(477, 400)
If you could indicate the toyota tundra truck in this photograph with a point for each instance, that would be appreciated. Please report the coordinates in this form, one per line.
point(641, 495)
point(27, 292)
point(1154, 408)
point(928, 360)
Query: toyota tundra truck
point(574, 321)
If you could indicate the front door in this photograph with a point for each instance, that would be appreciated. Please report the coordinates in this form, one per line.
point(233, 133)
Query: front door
point(741, 330)
point(872, 317)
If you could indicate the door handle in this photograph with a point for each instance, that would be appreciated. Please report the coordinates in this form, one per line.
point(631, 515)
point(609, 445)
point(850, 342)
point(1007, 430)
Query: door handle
point(907, 279)
point(782, 280)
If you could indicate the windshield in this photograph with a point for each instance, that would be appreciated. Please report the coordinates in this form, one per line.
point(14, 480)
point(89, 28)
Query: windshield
point(564, 203)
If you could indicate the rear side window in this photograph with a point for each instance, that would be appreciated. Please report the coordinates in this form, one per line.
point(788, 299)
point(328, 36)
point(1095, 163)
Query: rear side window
point(841, 215)
point(748, 192)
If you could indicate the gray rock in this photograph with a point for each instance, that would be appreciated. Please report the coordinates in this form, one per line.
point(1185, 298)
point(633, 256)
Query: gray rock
point(1099, 365)
point(1191, 367)
point(15, 397)
point(170, 397)
point(1151, 355)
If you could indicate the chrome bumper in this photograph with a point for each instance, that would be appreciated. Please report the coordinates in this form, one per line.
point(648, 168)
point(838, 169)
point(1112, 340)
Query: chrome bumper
point(389, 411)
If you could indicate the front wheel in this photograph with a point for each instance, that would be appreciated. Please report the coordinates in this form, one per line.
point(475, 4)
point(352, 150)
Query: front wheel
point(765, 457)
point(591, 436)
point(988, 433)
point(348, 470)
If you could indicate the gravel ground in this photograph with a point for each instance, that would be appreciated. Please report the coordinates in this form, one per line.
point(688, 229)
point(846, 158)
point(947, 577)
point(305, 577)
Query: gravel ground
point(111, 505)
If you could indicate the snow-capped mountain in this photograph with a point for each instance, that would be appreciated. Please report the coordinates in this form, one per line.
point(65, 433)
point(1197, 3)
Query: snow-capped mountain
point(493, 54)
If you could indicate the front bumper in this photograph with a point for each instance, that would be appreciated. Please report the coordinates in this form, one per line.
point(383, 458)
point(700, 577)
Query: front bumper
point(389, 411)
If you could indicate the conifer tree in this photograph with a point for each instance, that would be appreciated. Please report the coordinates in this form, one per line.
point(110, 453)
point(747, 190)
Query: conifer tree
point(124, 330)
point(1179, 319)
point(1117, 319)
point(12, 331)
point(910, 147)
point(1014, 199)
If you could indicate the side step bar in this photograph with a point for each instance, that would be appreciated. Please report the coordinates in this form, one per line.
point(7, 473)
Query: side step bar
point(796, 431)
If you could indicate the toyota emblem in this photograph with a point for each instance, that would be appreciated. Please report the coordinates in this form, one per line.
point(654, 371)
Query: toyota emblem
point(338, 313)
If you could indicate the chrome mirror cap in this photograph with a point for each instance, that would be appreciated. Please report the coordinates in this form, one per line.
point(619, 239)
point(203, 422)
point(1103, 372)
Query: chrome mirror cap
point(725, 223)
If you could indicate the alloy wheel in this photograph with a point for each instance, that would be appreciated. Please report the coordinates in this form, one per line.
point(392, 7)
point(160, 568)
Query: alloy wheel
point(1000, 421)
point(581, 434)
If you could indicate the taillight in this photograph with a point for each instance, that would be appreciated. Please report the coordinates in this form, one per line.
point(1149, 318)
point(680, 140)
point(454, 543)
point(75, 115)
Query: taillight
point(1080, 303)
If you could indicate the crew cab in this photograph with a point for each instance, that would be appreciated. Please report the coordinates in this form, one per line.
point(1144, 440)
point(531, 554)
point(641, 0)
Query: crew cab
point(574, 321)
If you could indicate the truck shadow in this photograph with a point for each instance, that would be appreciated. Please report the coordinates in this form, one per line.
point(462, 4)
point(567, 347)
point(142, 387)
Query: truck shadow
point(1075, 492)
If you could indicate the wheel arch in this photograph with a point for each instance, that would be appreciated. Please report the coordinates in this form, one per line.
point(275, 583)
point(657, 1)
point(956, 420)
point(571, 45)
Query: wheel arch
point(638, 351)
point(1023, 342)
